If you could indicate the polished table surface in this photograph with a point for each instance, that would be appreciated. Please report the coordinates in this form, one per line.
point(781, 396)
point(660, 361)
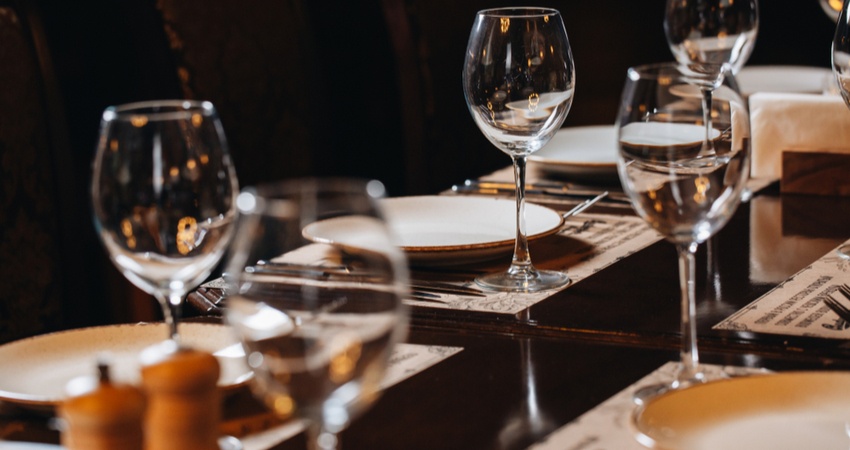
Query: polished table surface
point(519, 378)
point(636, 300)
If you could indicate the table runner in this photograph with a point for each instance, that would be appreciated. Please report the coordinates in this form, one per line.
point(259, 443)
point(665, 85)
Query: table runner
point(588, 244)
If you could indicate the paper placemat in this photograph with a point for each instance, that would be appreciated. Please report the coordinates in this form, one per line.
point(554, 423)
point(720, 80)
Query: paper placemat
point(607, 426)
point(405, 361)
point(591, 243)
point(796, 306)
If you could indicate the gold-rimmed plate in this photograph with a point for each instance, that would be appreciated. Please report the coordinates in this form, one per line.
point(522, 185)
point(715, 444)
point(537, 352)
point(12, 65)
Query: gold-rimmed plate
point(790, 410)
point(449, 230)
point(37, 370)
point(582, 152)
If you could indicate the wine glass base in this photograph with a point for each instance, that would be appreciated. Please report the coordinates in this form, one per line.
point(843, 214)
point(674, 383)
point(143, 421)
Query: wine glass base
point(523, 280)
point(229, 443)
point(647, 393)
point(844, 251)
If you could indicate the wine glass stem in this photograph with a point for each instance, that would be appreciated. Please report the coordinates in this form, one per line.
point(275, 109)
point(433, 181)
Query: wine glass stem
point(522, 257)
point(708, 144)
point(689, 357)
point(171, 312)
point(319, 438)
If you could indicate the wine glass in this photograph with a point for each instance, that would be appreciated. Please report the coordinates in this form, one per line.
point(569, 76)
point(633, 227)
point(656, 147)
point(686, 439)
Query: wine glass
point(684, 194)
point(706, 35)
point(164, 196)
point(711, 31)
point(841, 71)
point(315, 288)
point(518, 81)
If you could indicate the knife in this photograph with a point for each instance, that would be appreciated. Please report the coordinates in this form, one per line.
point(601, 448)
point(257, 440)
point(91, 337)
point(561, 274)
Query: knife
point(540, 188)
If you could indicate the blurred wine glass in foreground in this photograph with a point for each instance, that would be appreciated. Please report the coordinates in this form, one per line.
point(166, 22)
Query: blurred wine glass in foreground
point(164, 196)
point(518, 81)
point(685, 194)
point(841, 71)
point(832, 8)
point(318, 317)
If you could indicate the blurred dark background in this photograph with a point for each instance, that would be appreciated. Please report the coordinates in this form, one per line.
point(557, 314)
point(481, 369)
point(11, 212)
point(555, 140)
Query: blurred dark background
point(368, 88)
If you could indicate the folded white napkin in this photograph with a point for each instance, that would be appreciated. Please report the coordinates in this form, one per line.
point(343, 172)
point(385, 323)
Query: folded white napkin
point(799, 122)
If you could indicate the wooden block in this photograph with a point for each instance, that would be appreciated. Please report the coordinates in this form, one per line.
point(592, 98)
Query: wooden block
point(816, 173)
point(821, 216)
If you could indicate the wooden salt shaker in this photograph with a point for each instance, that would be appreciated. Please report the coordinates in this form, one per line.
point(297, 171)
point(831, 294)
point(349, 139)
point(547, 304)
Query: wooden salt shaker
point(184, 408)
point(107, 417)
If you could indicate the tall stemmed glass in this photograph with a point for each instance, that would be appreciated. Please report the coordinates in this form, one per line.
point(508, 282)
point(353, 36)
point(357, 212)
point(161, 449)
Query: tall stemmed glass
point(164, 196)
point(705, 35)
point(315, 295)
point(518, 81)
point(683, 193)
point(841, 71)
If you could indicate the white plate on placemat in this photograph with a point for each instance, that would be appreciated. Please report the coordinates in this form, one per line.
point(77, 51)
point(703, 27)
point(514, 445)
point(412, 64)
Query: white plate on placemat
point(584, 152)
point(12, 445)
point(791, 410)
point(37, 370)
point(449, 230)
point(799, 79)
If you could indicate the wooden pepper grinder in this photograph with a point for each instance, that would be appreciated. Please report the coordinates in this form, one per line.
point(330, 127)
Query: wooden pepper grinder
point(184, 408)
point(108, 416)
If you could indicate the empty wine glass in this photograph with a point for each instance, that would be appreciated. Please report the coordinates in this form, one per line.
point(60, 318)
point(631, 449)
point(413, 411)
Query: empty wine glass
point(315, 296)
point(705, 35)
point(683, 193)
point(711, 31)
point(518, 81)
point(164, 196)
point(841, 71)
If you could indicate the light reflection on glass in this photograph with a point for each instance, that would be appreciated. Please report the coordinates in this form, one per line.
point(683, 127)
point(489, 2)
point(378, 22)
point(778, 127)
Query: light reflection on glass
point(187, 231)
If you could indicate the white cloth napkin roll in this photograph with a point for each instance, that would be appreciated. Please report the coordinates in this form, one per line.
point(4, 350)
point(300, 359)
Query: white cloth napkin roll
point(799, 122)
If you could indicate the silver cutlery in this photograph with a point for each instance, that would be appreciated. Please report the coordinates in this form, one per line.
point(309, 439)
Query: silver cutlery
point(584, 205)
point(550, 189)
point(836, 306)
point(336, 271)
point(211, 299)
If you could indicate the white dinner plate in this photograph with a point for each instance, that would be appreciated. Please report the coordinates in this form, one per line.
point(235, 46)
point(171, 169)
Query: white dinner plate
point(791, 410)
point(447, 230)
point(37, 370)
point(663, 135)
point(585, 152)
point(12, 445)
point(800, 79)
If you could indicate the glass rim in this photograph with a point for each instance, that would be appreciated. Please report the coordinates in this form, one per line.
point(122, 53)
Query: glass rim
point(519, 12)
point(254, 199)
point(158, 110)
point(671, 67)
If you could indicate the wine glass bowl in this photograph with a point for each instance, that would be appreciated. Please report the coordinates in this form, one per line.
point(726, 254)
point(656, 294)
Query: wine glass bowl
point(318, 318)
point(687, 195)
point(711, 31)
point(518, 81)
point(163, 193)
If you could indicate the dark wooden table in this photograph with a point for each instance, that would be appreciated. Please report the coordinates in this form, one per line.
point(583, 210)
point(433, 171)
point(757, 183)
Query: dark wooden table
point(520, 378)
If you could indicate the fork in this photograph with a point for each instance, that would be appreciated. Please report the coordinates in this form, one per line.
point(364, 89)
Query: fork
point(836, 306)
point(210, 300)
